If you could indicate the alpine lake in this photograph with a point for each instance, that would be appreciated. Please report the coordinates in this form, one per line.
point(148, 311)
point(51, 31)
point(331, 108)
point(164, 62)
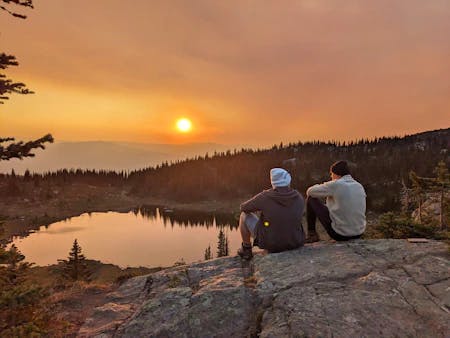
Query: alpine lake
point(145, 236)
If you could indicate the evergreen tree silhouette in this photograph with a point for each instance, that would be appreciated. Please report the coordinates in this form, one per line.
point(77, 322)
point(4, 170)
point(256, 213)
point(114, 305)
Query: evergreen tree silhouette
point(208, 254)
point(75, 267)
point(9, 147)
point(20, 308)
point(227, 247)
point(222, 244)
point(8, 86)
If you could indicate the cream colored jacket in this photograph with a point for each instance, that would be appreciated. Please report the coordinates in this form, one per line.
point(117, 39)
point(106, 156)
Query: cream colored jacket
point(346, 201)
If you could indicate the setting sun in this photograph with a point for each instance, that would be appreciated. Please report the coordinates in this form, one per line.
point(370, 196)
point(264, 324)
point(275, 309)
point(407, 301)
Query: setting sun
point(184, 125)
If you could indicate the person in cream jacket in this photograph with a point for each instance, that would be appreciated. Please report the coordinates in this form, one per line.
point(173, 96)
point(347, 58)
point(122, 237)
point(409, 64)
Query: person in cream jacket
point(344, 214)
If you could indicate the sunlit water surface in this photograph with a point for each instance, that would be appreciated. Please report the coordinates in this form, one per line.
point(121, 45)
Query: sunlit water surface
point(141, 238)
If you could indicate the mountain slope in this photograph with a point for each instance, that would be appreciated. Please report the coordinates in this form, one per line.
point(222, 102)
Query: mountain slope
point(381, 165)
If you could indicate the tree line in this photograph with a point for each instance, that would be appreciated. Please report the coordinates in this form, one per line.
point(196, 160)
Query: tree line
point(381, 165)
point(187, 218)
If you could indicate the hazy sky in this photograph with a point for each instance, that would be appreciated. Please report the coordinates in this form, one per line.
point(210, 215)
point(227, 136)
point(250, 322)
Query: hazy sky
point(245, 72)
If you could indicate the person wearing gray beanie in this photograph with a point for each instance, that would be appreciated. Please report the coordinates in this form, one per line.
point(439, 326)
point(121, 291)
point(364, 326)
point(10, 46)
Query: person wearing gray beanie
point(273, 217)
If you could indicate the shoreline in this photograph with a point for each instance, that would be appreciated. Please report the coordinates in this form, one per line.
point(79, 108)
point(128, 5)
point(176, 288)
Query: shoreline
point(19, 218)
point(101, 272)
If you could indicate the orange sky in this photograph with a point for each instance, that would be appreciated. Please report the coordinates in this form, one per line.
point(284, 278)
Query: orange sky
point(245, 72)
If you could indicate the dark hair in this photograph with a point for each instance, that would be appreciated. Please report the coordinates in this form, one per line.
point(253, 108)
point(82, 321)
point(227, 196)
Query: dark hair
point(340, 168)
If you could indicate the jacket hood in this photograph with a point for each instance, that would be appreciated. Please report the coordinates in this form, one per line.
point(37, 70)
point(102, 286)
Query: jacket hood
point(284, 195)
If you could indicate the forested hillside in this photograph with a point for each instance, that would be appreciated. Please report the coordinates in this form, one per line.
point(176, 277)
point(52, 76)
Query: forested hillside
point(380, 165)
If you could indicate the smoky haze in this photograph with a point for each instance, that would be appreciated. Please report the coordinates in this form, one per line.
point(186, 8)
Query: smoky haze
point(245, 71)
point(106, 155)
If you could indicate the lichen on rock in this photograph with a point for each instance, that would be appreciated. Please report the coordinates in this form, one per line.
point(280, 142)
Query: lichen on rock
point(376, 288)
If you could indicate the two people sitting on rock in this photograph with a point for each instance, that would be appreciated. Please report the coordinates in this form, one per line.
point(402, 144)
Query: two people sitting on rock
point(274, 217)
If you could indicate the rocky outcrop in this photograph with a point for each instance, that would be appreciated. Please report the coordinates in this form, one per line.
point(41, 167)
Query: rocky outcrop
point(378, 288)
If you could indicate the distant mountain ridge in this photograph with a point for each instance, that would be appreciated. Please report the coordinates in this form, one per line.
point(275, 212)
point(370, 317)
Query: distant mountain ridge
point(104, 155)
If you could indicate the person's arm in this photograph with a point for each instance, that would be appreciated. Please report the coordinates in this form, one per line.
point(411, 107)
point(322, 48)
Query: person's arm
point(253, 204)
point(321, 190)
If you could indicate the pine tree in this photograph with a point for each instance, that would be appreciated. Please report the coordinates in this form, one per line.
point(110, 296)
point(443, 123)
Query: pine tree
point(9, 148)
point(75, 267)
point(8, 86)
point(227, 247)
point(21, 312)
point(27, 176)
point(222, 244)
point(208, 253)
point(16, 267)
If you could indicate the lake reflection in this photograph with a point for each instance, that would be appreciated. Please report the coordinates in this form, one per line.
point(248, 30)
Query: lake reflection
point(143, 237)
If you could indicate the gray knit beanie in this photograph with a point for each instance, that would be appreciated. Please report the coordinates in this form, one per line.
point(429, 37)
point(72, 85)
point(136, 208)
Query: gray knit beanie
point(279, 178)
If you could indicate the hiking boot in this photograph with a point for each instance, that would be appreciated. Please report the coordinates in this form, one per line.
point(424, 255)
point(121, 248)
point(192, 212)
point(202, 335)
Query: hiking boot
point(312, 237)
point(245, 251)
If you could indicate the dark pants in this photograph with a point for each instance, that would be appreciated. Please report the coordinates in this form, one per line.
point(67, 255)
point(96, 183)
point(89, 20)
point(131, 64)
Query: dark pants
point(315, 208)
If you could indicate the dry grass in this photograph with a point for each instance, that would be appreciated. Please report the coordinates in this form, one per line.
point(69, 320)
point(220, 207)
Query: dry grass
point(74, 304)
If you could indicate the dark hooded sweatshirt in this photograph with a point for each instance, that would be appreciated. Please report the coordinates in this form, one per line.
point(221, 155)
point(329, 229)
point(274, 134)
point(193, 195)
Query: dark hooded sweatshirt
point(280, 225)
